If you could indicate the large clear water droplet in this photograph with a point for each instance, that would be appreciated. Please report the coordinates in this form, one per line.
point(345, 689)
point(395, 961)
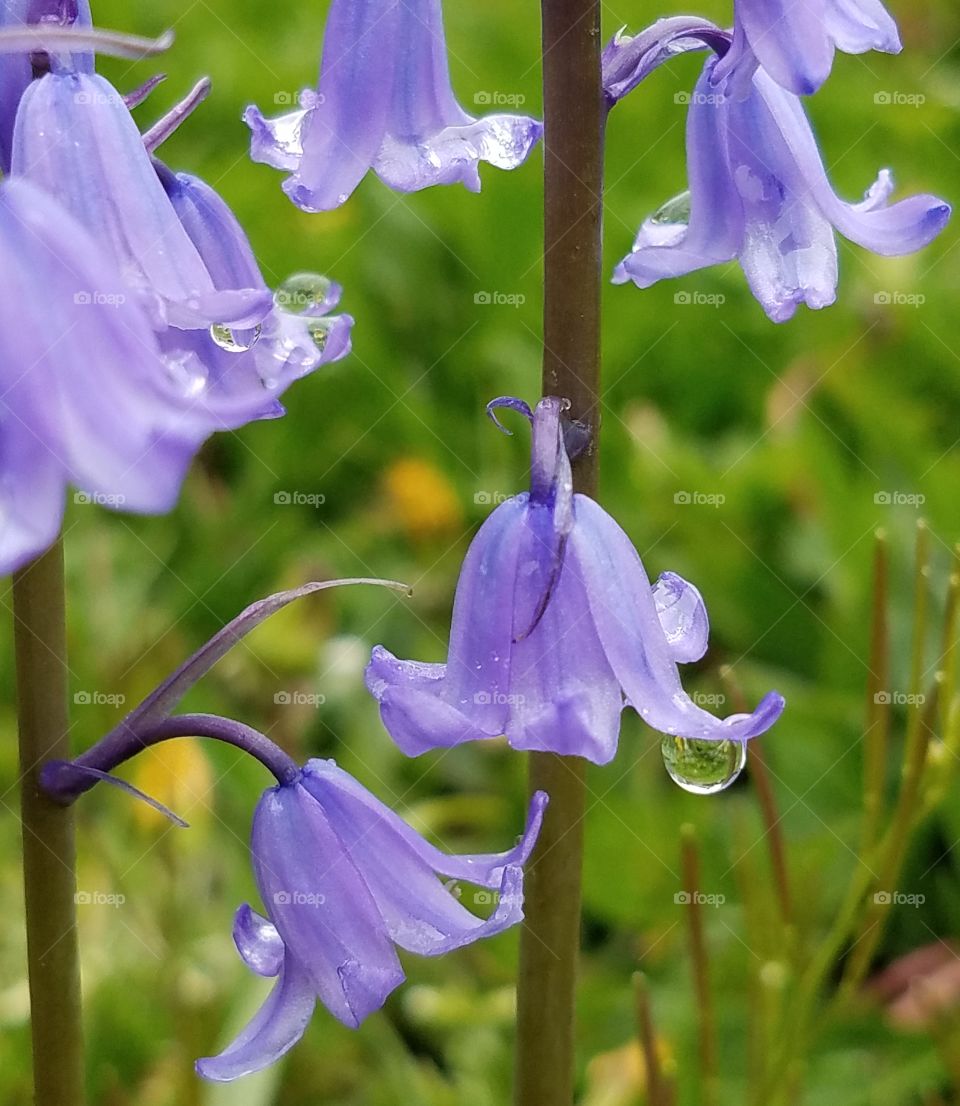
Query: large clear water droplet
point(303, 294)
point(234, 340)
point(674, 211)
point(702, 767)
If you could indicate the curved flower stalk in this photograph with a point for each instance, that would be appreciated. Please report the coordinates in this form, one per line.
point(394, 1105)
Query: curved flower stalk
point(758, 191)
point(85, 396)
point(555, 629)
point(384, 102)
point(344, 881)
point(795, 40)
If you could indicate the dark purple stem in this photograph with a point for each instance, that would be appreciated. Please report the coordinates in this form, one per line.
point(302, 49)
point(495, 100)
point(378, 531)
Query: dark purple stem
point(65, 780)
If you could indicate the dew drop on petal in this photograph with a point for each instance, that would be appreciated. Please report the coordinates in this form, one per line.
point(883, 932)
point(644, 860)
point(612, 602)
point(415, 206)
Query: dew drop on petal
point(674, 211)
point(702, 767)
point(234, 341)
point(302, 293)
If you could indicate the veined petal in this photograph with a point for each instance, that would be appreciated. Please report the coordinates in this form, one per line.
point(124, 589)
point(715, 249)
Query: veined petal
point(422, 914)
point(330, 783)
point(258, 941)
point(321, 906)
point(789, 37)
point(72, 333)
point(683, 617)
point(564, 696)
point(75, 137)
point(856, 26)
point(714, 232)
point(274, 1030)
point(891, 230)
point(32, 493)
point(789, 253)
point(414, 706)
point(625, 615)
point(470, 692)
point(244, 384)
point(342, 132)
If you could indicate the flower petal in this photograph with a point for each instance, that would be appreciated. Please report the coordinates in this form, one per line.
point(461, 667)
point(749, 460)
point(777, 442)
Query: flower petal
point(683, 616)
point(321, 906)
point(31, 495)
point(345, 125)
point(789, 252)
point(715, 229)
point(564, 696)
point(258, 942)
point(414, 707)
point(860, 25)
point(900, 228)
point(75, 137)
point(274, 1030)
point(422, 914)
point(72, 333)
point(790, 40)
point(469, 693)
point(331, 784)
point(625, 615)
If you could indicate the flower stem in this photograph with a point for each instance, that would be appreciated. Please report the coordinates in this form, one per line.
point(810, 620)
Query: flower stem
point(573, 185)
point(49, 858)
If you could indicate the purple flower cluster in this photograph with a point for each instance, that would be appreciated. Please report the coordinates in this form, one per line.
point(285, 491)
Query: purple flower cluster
point(135, 320)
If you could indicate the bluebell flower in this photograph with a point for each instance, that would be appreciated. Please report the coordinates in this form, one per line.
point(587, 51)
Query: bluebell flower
point(759, 193)
point(385, 102)
point(795, 40)
point(344, 882)
point(86, 397)
point(555, 629)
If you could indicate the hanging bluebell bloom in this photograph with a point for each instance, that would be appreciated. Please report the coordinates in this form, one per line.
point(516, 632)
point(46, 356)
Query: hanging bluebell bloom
point(344, 880)
point(758, 190)
point(555, 629)
point(384, 102)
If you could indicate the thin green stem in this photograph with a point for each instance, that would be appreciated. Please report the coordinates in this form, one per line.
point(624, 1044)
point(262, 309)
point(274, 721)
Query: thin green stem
point(49, 860)
point(877, 735)
point(573, 182)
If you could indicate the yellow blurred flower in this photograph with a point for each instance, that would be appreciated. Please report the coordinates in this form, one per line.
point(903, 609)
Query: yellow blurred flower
point(421, 501)
point(177, 774)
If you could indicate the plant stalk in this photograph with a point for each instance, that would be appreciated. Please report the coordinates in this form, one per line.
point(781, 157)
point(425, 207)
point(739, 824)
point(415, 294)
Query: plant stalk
point(49, 853)
point(573, 186)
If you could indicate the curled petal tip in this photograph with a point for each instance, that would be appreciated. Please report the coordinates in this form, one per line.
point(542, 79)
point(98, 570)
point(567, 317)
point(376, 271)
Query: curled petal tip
point(511, 403)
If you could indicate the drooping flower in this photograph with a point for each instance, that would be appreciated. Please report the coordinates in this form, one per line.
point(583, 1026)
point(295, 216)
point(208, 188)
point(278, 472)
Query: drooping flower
point(384, 102)
point(759, 193)
point(171, 270)
point(85, 397)
point(344, 881)
point(795, 40)
point(555, 629)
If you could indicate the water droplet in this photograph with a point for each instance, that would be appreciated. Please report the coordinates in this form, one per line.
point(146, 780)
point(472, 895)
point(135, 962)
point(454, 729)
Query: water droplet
point(702, 767)
point(319, 331)
point(234, 341)
point(302, 293)
point(674, 211)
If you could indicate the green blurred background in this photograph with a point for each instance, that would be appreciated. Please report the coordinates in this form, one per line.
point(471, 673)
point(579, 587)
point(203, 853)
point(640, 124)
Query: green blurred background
point(799, 428)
